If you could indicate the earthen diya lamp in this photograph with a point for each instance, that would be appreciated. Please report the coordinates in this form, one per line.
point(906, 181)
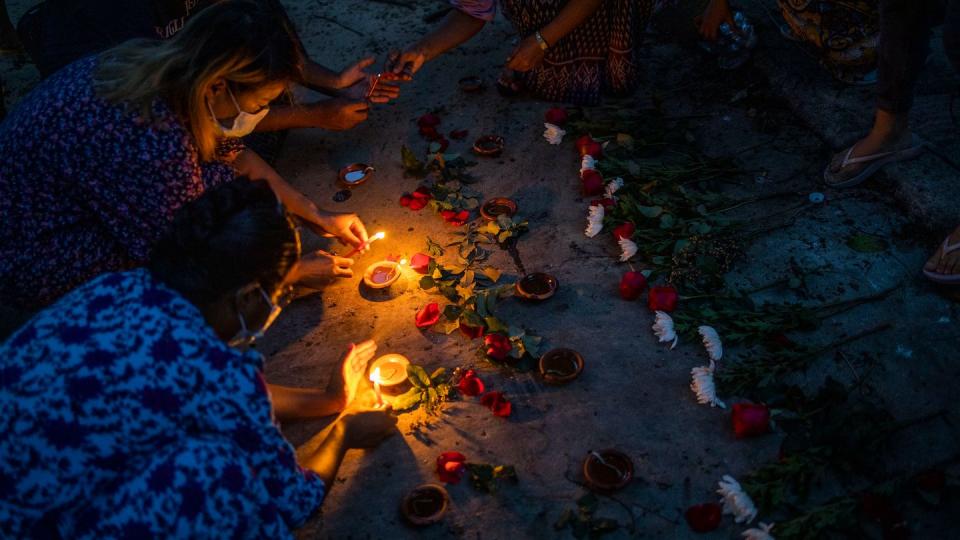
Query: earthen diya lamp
point(382, 274)
point(536, 287)
point(607, 470)
point(560, 366)
point(471, 84)
point(355, 174)
point(498, 206)
point(488, 146)
point(425, 505)
point(388, 374)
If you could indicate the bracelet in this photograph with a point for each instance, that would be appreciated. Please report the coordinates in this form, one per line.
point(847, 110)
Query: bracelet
point(540, 41)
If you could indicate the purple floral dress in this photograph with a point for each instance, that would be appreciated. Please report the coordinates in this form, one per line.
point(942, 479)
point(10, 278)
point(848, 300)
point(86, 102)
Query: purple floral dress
point(87, 187)
point(124, 416)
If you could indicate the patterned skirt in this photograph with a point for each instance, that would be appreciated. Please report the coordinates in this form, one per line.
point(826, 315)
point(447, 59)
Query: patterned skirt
point(598, 57)
point(843, 32)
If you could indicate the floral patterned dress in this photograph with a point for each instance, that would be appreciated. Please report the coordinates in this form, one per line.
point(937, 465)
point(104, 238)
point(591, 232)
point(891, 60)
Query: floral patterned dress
point(87, 187)
point(123, 415)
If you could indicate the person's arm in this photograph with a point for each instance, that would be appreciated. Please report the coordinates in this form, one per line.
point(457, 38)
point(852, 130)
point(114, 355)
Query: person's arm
point(357, 428)
point(336, 114)
point(303, 403)
point(528, 53)
point(455, 29)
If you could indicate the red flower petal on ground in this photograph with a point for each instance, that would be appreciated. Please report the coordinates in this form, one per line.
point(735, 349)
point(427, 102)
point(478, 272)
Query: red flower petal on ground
point(472, 332)
point(420, 263)
point(632, 285)
point(605, 202)
point(455, 218)
point(459, 134)
point(662, 298)
point(582, 142)
point(498, 405)
point(470, 384)
point(704, 517)
point(593, 148)
point(451, 466)
point(750, 419)
point(405, 200)
point(498, 346)
point(428, 315)
point(624, 230)
point(429, 133)
point(591, 183)
point(422, 192)
point(556, 115)
point(418, 204)
point(428, 120)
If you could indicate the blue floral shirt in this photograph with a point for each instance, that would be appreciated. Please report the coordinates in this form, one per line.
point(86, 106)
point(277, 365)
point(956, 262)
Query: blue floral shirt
point(95, 387)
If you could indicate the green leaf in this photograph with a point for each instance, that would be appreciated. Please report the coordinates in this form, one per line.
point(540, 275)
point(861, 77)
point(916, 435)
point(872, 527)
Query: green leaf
point(666, 221)
point(445, 327)
point(495, 325)
point(588, 503)
point(418, 377)
point(437, 374)
point(408, 400)
point(531, 344)
point(433, 249)
point(427, 283)
point(411, 165)
point(865, 243)
point(471, 318)
point(650, 211)
point(452, 312)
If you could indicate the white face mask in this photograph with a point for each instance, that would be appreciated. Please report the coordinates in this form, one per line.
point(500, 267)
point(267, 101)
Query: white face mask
point(244, 123)
point(247, 336)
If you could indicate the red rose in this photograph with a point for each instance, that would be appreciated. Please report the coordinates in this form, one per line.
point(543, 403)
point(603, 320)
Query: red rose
point(472, 332)
point(556, 115)
point(422, 192)
point(750, 419)
point(405, 199)
point(418, 204)
point(605, 202)
point(428, 315)
point(704, 517)
point(498, 405)
point(459, 134)
point(592, 182)
point(455, 218)
point(420, 263)
point(662, 298)
point(429, 133)
point(591, 147)
point(498, 346)
point(632, 285)
point(419, 198)
point(624, 230)
point(428, 120)
point(582, 142)
point(470, 384)
point(451, 466)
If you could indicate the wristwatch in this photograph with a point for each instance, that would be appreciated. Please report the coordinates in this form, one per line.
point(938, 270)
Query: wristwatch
point(540, 41)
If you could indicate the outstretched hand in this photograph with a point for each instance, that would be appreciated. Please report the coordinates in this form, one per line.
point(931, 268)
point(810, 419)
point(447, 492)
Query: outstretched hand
point(358, 85)
point(526, 56)
point(404, 64)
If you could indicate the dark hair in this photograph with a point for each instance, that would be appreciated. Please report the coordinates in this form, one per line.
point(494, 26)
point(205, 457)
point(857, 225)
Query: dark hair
point(234, 234)
point(248, 44)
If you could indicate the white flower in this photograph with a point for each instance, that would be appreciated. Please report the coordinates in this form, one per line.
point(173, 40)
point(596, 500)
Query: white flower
point(763, 533)
point(663, 328)
point(594, 221)
point(628, 247)
point(711, 340)
point(612, 187)
point(587, 163)
point(735, 500)
point(704, 387)
point(553, 134)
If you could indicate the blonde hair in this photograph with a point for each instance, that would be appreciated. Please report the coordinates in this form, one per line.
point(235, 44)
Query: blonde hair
point(235, 40)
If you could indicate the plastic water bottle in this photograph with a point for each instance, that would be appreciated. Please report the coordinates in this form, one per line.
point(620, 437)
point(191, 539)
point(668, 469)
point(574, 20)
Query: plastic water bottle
point(732, 48)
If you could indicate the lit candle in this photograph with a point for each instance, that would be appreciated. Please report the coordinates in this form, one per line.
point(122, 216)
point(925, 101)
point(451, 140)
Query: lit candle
point(379, 236)
point(375, 377)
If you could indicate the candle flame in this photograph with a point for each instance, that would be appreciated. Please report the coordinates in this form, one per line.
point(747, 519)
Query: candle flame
point(402, 262)
point(375, 376)
point(379, 236)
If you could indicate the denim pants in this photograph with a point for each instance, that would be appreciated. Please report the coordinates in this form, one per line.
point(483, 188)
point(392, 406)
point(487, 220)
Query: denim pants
point(905, 30)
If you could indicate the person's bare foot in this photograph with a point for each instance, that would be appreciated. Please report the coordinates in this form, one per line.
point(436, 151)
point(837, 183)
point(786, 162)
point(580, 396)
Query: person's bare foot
point(944, 265)
point(889, 140)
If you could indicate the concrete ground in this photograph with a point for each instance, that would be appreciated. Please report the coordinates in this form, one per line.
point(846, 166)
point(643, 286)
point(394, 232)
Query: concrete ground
point(633, 394)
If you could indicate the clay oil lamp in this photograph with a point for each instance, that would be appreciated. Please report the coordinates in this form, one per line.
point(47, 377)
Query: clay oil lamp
point(498, 206)
point(388, 374)
point(536, 287)
point(383, 274)
point(560, 366)
point(607, 471)
point(488, 146)
point(425, 505)
point(355, 174)
point(471, 84)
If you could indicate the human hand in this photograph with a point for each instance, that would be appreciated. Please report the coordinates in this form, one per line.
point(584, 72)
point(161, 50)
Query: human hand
point(318, 269)
point(526, 56)
point(353, 370)
point(404, 64)
point(716, 13)
point(338, 114)
point(358, 85)
point(346, 227)
point(366, 427)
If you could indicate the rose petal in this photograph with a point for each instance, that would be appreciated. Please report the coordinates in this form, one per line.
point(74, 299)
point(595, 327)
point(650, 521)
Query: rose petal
point(472, 332)
point(422, 192)
point(605, 202)
point(624, 230)
point(428, 315)
point(497, 403)
point(750, 419)
point(632, 285)
point(417, 204)
point(704, 517)
point(556, 115)
point(498, 346)
point(662, 298)
point(420, 262)
point(470, 384)
point(405, 200)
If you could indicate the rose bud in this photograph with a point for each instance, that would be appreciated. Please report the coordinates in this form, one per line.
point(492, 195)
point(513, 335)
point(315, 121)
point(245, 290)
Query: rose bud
point(498, 346)
point(451, 466)
point(750, 419)
point(470, 384)
point(405, 200)
point(556, 115)
point(420, 263)
point(624, 230)
point(594, 148)
point(498, 405)
point(472, 332)
point(582, 142)
point(591, 183)
point(662, 298)
point(704, 517)
point(632, 285)
point(428, 315)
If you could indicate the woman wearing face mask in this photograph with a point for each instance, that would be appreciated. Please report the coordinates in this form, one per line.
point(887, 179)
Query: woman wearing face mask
point(96, 160)
point(126, 414)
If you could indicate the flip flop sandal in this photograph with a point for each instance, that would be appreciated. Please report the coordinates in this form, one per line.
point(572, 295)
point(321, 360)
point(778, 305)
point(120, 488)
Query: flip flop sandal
point(936, 277)
point(874, 163)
